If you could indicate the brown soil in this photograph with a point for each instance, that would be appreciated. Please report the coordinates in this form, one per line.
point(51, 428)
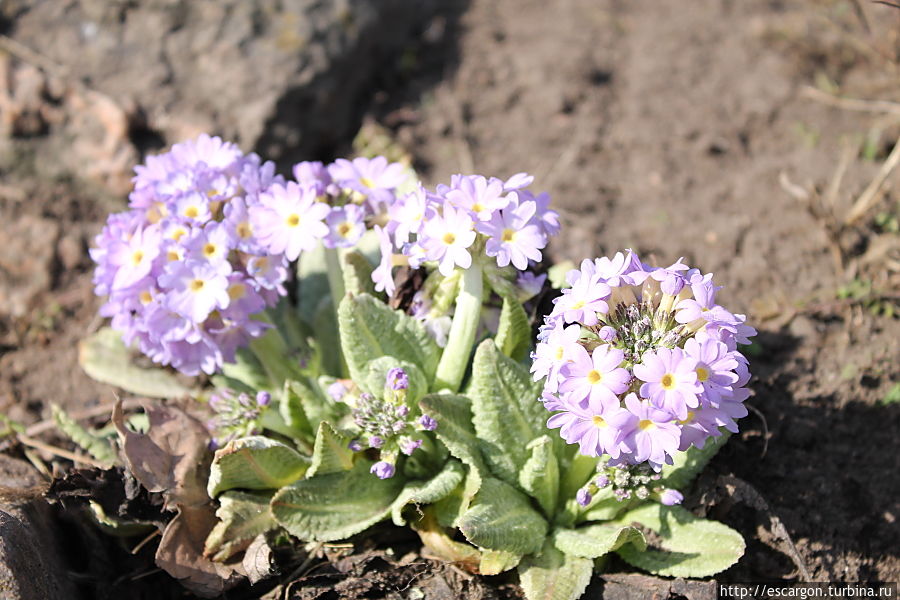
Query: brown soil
point(669, 127)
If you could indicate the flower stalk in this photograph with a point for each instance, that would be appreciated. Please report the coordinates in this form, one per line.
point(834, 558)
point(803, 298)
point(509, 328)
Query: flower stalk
point(458, 351)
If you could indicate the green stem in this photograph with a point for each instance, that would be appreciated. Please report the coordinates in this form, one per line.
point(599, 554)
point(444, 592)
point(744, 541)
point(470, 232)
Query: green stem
point(336, 284)
point(456, 354)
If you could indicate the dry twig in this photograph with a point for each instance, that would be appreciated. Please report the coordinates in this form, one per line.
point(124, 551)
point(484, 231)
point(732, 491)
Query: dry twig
point(871, 194)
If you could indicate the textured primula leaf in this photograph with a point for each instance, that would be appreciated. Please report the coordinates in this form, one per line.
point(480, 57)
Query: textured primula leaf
point(428, 492)
point(454, 418)
point(357, 271)
point(105, 358)
point(255, 463)
point(594, 541)
point(95, 445)
point(242, 517)
point(337, 505)
point(502, 518)
point(375, 375)
point(312, 282)
point(689, 463)
point(690, 546)
point(540, 475)
point(369, 329)
point(246, 374)
point(553, 575)
point(330, 452)
point(507, 413)
point(514, 332)
point(314, 403)
point(494, 562)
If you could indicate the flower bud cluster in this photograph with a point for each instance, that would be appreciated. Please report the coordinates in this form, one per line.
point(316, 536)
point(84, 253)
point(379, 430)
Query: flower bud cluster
point(389, 424)
point(236, 415)
point(627, 482)
point(640, 362)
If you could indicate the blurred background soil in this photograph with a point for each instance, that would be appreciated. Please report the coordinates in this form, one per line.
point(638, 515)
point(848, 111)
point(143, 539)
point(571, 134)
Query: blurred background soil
point(743, 136)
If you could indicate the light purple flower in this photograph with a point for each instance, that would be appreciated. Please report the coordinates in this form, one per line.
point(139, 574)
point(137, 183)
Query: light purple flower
point(595, 431)
point(345, 226)
point(670, 497)
point(447, 239)
point(196, 289)
point(551, 354)
point(481, 197)
point(715, 366)
point(596, 378)
point(383, 470)
point(382, 275)
point(288, 220)
point(374, 178)
point(397, 379)
point(427, 423)
point(582, 301)
point(655, 437)
point(583, 497)
point(671, 381)
point(512, 237)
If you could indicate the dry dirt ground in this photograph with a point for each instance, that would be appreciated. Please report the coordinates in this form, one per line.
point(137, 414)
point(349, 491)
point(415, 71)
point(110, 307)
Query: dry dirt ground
point(711, 130)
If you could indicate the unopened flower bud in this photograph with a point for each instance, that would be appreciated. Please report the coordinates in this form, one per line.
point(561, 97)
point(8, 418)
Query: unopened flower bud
point(263, 398)
point(427, 423)
point(583, 497)
point(397, 379)
point(670, 497)
point(383, 470)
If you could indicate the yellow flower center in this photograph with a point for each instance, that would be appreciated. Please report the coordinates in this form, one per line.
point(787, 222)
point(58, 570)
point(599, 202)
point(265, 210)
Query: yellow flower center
point(599, 421)
point(173, 255)
point(209, 250)
point(293, 220)
point(237, 291)
point(508, 235)
point(344, 229)
point(687, 419)
point(668, 381)
point(367, 182)
point(197, 285)
point(560, 350)
point(646, 424)
point(177, 233)
point(449, 238)
point(191, 212)
point(702, 374)
point(578, 305)
point(243, 230)
point(594, 377)
point(477, 207)
point(146, 297)
point(136, 257)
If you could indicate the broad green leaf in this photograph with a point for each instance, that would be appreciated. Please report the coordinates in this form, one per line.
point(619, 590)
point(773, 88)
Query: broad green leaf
point(105, 358)
point(540, 475)
point(326, 340)
point(428, 492)
point(553, 575)
point(290, 408)
point(330, 453)
point(357, 271)
point(454, 418)
point(596, 540)
point(95, 445)
point(246, 374)
point(242, 516)
point(690, 546)
point(501, 518)
point(514, 332)
point(494, 562)
point(337, 505)
point(370, 329)
point(689, 463)
point(316, 404)
point(254, 463)
point(506, 410)
point(312, 282)
point(375, 376)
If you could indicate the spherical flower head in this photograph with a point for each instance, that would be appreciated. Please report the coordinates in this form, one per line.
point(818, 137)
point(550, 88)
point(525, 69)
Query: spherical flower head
point(288, 220)
point(383, 470)
point(447, 238)
point(671, 380)
point(397, 379)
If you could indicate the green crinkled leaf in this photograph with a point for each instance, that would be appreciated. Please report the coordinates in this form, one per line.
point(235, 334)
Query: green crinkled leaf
point(357, 271)
point(553, 575)
point(316, 405)
point(375, 375)
point(428, 492)
point(506, 410)
point(290, 408)
point(242, 516)
point(330, 452)
point(455, 430)
point(540, 475)
point(689, 463)
point(501, 518)
point(369, 329)
point(494, 562)
point(95, 445)
point(325, 332)
point(691, 547)
point(337, 505)
point(514, 332)
point(246, 374)
point(105, 358)
point(596, 540)
point(254, 463)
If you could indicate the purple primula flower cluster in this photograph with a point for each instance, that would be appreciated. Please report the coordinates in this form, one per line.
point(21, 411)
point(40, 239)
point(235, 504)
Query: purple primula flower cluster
point(640, 362)
point(391, 424)
point(182, 269)
point(455, 223)
point(206, 244)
